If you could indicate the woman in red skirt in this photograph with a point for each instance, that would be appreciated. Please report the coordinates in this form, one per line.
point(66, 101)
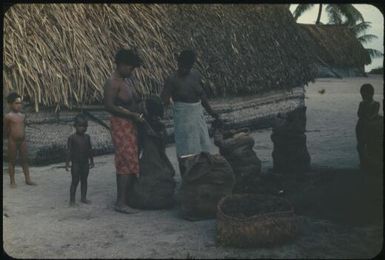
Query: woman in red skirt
point(122, 100)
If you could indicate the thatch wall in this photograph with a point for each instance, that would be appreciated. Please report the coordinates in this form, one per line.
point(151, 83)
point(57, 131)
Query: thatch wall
point(47, 132)
point(336, 46)
point(61, 54)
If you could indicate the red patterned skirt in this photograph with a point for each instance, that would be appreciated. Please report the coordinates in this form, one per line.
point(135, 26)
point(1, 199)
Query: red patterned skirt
point(124, 138)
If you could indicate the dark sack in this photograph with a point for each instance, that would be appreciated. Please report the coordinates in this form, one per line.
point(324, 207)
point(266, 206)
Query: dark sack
point(155, 186)
point(206, 179)
point(290, 152)
point(238, 151)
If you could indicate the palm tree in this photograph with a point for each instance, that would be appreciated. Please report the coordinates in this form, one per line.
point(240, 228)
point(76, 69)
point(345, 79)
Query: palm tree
point(359, 31)
point(336, 13)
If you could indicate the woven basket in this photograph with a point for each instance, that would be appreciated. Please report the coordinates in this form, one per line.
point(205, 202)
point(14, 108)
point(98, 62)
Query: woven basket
point(270, 228)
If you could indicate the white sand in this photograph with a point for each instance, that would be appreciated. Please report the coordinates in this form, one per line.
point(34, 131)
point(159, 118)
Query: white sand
point(37, 222)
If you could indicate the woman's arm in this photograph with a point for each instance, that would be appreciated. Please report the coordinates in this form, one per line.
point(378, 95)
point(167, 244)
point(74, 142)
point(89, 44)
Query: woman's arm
point(205, 102)
point(90, 152)
point(206, 105)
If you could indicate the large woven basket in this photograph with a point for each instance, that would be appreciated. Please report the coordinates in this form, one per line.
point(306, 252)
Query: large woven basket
point(240, 223)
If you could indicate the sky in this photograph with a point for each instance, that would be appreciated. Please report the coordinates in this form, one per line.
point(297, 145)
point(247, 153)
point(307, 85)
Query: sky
point(370, 14)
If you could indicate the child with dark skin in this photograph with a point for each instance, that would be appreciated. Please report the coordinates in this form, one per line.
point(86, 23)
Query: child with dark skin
point(367, 112)
point(14, 130)
point(79, 152)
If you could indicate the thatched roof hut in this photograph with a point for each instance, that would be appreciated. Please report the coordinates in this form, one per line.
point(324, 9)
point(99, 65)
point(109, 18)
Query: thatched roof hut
point(336, 50)
point(61, 54)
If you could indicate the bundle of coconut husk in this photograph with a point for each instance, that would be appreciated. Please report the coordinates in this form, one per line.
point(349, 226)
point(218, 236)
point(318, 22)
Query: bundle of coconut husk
point(236, 146)
point(206, 178)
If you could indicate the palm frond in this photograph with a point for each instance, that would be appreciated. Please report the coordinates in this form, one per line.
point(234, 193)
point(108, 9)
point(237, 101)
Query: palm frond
point(360, 27)
point(351, 13)
point(301, 8)
point(334, 14)
point(373, 53)
point(366, 38)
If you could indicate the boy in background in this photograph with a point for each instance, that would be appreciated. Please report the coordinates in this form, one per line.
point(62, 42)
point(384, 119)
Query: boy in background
point(14, 129)
point(79, 152)
point(367, 114)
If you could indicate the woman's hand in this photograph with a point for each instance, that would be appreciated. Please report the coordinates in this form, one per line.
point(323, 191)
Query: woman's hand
point(143, 108)
point(138, 118)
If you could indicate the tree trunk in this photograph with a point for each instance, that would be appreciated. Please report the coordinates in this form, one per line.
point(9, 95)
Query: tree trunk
point(319, 14)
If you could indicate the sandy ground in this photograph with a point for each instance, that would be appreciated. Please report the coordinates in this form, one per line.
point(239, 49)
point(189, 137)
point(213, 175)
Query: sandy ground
point(37, 222)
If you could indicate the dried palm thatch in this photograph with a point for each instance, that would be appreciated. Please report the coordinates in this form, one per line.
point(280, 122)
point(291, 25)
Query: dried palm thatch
point(336, 45)
point(61, 54)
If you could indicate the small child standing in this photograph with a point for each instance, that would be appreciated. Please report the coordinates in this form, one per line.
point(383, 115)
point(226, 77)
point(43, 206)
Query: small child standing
point(367, 113)
point(79, 152)
point(14, 129)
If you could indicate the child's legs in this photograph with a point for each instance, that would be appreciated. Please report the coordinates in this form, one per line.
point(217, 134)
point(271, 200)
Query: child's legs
point(75, 173)
point(84, 170)
point(12, 152)
point(24, 161)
